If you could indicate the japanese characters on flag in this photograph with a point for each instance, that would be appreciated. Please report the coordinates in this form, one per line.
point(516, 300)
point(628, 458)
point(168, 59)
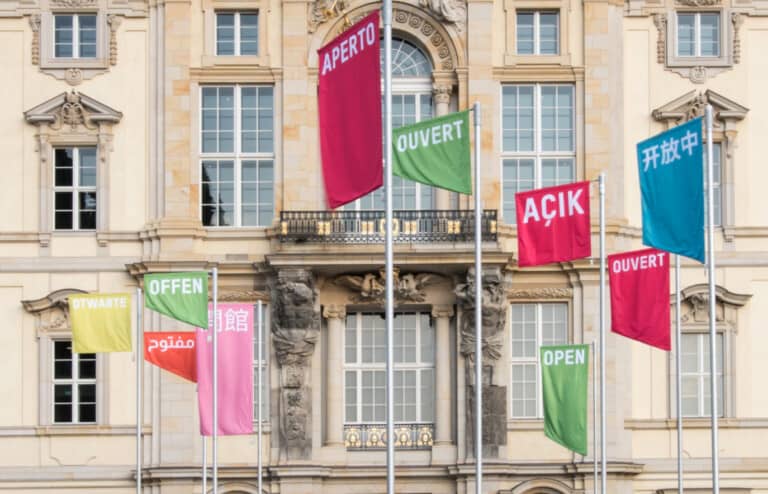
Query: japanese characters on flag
point(553, 224)
point(235, 391)
point(349, 107)
point(173, 351)
point(639, 283)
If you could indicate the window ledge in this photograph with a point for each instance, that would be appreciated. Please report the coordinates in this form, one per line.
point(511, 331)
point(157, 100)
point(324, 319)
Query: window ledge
point(236, 60)
point(536, 424)
point(696, 423)
point(72, 430)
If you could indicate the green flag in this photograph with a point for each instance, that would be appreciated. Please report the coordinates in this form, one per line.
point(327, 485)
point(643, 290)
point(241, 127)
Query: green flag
point(182, 296)
point(435, 152)
point(564, 377)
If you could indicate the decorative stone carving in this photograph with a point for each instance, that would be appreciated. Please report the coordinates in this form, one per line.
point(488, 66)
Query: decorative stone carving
point(448, 11)
point(241, 296)
point(72, 113)
point(660, 21)
point(694, 305)
point(698, 74)
point(699, 3)
point(442, 93)
point(73, 4)
point(692, 105)
point(540, 293)
point(322, 11)
point(295, 330)
point(34, 23)
point(73, 76)
point(114, 22)
point(493, 313)
point(52, 311)
point(737, 19)
point(370, 287)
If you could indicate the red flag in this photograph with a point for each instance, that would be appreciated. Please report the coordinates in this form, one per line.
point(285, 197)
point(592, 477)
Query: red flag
point(639, 283)
point(172, 351)
point(349, 105)
point(553, 224)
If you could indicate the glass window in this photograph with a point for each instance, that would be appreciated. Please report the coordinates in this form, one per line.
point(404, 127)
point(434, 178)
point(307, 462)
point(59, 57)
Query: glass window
point(364, 368)
point(237, 33)
point(538, 139)
point(532, 325)
point(74, 188)
point(74, 35)
point(74, 385)
point(537, 33)
point(696, 396)
point(237, 155)
point(698, 34)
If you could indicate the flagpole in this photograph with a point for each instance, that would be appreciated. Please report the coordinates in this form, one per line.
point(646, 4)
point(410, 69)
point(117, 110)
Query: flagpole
point(215, 381)
point(603, 466)
point(678, 378)
point(258, 400)
point(139, 365)
point(478, 315)
point(594, 420)
point(712, 298)
point(386, 15)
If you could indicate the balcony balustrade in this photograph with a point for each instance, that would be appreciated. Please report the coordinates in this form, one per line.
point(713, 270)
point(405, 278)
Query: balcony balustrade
point(374, 436)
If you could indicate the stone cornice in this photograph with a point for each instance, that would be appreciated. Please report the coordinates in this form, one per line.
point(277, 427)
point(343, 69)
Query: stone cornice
point(538, 73)
point(236, 73)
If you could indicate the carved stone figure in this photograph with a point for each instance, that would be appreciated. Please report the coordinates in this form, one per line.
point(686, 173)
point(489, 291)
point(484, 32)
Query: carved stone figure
point(370, 287)
point(295, 330)
point(322, 11)
point(452, 11)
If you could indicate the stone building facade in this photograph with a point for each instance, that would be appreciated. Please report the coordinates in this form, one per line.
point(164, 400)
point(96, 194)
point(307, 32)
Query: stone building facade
point(176, 135)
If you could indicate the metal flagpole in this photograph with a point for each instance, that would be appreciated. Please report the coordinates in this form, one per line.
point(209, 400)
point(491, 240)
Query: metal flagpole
point(139, 365)
point(594, 419)
point(215, 425)
point(603, 462)
point(712, 298)
point(679, 379)
point(258, 399)
point(478, 315)
point(386, 15)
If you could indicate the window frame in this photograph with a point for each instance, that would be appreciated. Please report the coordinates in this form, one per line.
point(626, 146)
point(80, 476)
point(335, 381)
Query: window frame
point(237, 49)
point(76, 43)
point(539, 322)
point(237, 156)
point(75, 381)
point(697, 42)
point(684, 65)
point(75, 189)
point(537, 32)
point(702, 373)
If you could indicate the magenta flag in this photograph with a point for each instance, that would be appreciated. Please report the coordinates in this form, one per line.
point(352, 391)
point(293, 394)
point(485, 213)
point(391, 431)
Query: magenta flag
point(639, 283)
point(349, 106)
point(553, 224)
point(235, 393)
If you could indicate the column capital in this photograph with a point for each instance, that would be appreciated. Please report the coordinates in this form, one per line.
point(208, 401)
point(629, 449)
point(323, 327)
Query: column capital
point(442, 92)
point(334, 311)
point(442, 310)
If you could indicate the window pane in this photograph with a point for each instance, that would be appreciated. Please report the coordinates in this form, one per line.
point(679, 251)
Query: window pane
point(63, 220)
point(548, 37)
point(350, 396)
point(87, 34)
point(62, 414)
point(64, 165)
point(686, 35)
point(87, 367)
point(249, 34)
point(525, 33)
point(63, 35)
point(225, 34)
point(710, 35)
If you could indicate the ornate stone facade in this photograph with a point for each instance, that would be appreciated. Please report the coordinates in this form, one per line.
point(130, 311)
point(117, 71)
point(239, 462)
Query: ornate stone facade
point(370, 287)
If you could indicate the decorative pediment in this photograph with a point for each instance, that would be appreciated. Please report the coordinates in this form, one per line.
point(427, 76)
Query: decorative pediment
point(369, 287)
point(693, 104)
point(72, 109)
point(694, 305)
point(52, 311)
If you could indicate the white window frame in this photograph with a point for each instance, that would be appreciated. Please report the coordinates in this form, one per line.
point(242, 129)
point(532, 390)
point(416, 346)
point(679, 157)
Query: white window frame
point(513, 360)
point(419, 367)
point(697, 34)
point(237, 44)
point(75, 381)
point(237, 156)
point(75, 189)
point(702, 372)
point(537, 154)
point(537, 32)
point(75, 35)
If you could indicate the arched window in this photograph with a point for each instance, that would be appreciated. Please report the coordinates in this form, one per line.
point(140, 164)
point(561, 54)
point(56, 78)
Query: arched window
point(411, 103)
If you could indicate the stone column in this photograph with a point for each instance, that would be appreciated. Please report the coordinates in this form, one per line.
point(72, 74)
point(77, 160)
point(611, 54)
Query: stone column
point(334, 422)
point(443, 416)
point(442, 94)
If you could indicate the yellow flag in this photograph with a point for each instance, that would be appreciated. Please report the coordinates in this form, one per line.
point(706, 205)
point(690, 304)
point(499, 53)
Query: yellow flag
point(100, 322)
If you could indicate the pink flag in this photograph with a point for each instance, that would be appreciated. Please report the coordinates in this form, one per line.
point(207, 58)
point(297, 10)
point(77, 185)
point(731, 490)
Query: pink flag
point(349, 107)
point(235, 379)
point(553, 224)
point(640, 296)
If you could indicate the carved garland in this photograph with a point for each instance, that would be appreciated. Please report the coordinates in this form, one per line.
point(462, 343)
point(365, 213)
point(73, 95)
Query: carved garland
point(539, 293)
point(34, 23)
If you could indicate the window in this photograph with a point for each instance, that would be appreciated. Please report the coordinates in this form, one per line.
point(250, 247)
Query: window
point(538, 139)
point(263, 363)
point(716, 181)
point(533, 325)
point(74, 35)
point(698, 34)
point(75, 188)
point(237, 155)
point(537, 33)
point(74, 385)
point(365, 368)
point(237, 33)
point(696, 395)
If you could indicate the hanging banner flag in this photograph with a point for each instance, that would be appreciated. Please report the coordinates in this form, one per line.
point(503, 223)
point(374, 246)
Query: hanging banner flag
point(235, 393)
point(101, 322)
point(564, 379)
point(435, 152)
point(349, 107)
point(182, 296)
point(639, 283)
point(553, 224)
point(672, 189)
point(173, 351)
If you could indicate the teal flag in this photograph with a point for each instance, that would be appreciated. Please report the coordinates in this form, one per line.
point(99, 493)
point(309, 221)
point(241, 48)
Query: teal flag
point(182, 296)
point(672, 190)
point(435, 152)
point(564, 378)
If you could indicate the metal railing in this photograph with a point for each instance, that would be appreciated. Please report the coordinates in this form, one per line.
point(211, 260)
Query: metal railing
point(367, 227)
point(374, 436)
